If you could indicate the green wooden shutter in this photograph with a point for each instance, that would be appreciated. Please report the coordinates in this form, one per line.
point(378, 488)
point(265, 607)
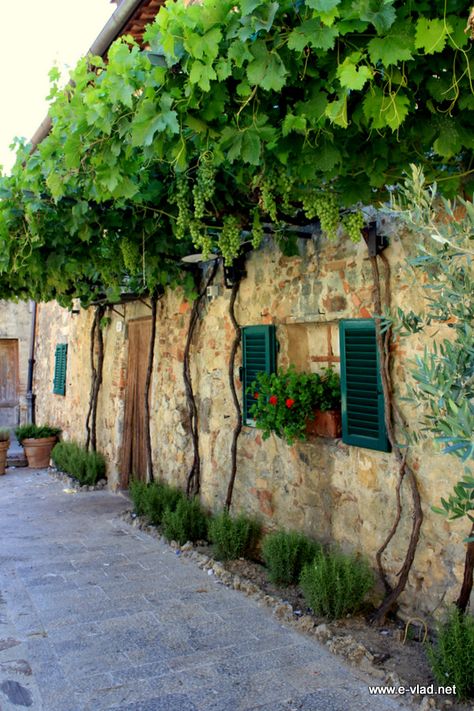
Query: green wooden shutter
point(258, 355)
point(363, 421)
point(60, 360)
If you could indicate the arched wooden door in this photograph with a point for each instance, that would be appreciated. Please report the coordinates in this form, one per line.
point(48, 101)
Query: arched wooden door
point(133, 455)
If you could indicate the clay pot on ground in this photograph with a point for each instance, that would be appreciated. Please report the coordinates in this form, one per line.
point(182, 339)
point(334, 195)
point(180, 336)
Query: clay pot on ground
point(38, 451)
point(325, 424)
point(4, 444)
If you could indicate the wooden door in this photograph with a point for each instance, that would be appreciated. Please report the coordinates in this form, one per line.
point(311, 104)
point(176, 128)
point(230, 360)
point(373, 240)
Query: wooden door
point(9, 405)
point(134, 459)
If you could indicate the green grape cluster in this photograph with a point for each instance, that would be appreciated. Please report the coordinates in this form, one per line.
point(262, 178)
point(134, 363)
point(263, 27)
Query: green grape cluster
point(204, 187)
point(257, 230)
point(229, 239)
point(131, 255)
point(325, 207)
point(201, 239)
point(267, 197)
point(181, 197)
point(353, 223)
point(284, 188)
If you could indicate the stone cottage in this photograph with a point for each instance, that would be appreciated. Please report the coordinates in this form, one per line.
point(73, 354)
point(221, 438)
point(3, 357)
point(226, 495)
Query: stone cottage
point(336, 490)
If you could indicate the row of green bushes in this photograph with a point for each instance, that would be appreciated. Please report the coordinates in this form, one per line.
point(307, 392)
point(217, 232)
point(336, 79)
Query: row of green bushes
point(87, 467)
point(334, 584)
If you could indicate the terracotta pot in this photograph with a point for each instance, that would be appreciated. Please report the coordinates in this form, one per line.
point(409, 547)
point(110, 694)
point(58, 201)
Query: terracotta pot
point(325, 424)
point(38, 451)
point(3, 455)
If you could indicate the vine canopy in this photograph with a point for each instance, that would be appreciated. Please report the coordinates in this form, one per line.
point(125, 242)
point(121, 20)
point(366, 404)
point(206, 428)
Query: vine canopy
point(239, 113)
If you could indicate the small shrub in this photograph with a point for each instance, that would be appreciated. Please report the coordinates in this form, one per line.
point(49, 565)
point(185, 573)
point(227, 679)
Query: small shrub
point(187, 522)
point(158, 498)
point(335, 584)
point(36, 432)
point(4, 435)
point(86, 467)
point(452, 656)
point(286, 554)
point(233, 537)
point(137, 490)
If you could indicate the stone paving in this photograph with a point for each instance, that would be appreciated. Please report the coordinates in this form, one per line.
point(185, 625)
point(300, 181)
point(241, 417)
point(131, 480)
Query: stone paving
point(96, 615)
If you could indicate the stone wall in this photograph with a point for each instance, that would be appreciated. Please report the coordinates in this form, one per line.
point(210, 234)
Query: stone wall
point(335, 492)
point(15, 323)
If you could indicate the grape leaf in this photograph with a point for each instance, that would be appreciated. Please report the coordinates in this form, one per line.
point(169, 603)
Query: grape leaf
point(267, 69)
point(380, 13)
point(322, 6)
point(385, 109)
point(202, 75)
point(336, 111)
point(293, 123)
point(396, 46)
point(431, 35)
point(251, 147)
point(352, 76)
point(311, 33)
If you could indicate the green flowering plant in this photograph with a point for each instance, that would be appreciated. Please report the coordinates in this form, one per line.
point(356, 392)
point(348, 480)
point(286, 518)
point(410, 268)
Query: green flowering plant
point(285, 401)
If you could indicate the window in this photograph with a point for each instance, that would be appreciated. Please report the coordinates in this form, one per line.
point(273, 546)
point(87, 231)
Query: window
point(363, 422)
point(259, 348)
point(60, 360)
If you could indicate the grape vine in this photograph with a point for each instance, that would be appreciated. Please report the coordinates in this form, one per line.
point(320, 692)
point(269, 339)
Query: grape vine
point(253, 114)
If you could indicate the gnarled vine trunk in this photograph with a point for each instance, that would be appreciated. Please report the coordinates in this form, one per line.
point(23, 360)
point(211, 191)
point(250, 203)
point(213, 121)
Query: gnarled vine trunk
point(464, 596)
point(238, 409)
point(96, 379)
point(383, 345)
point(149, 373)
point(193, 482)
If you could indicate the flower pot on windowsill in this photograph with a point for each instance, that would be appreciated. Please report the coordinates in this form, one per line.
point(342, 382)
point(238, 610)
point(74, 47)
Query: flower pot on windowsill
point(325, 424)
point(38, 451)
point(4, 444)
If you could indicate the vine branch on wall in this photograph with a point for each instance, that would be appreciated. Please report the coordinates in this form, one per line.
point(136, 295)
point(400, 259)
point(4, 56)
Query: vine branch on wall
point(149, 372)
point(238, 410)
point(96, 377)
point(193, 482)
point(383, 345)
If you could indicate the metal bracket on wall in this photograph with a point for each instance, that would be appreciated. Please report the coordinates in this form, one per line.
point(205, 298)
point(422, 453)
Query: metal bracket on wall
point(376, 243)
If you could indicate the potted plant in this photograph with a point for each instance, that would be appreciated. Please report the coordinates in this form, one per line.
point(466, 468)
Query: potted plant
point(4, 444)
point(37, 441)
point(285, 402)
point(327, 421)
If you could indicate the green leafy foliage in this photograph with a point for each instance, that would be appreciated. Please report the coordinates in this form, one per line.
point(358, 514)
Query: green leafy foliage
point(188, 522)
point(335, 585)
point(233, 537)
point(4, 435)
point(263, 88)
point(158, 498)
point(286, 553)
point(452, 655)
point(153, 499)
point(87, 467)
point(137, 490)
point(444, 375)
point(285, 401)
point(36, 432)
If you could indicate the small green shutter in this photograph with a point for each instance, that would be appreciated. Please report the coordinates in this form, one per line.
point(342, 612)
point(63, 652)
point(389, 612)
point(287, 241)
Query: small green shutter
point(363, 421)
point(60, 360)
point(258, 355)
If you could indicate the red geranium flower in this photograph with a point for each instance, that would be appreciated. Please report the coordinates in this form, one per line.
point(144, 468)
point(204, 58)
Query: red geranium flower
point(273, 400)
point(255, 395)
point(289, 402)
